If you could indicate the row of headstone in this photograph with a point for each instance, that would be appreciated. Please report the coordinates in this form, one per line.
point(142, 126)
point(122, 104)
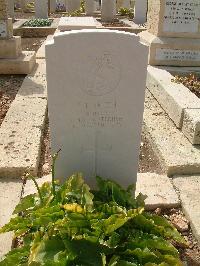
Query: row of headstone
point(96, 109)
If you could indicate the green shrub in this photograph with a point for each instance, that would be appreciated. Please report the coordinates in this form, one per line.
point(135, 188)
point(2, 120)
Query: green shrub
point(39, 22)
point(126, 12)
point(70, 224)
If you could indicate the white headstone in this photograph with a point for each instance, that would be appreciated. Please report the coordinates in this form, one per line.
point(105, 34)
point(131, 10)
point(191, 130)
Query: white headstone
point(124, 4)
point(11, 12)
point(52, 6)
point(141, 7)
point(41, 9)
point(108, 10)
point(96, 97)
point(90, 6)
point(72, 5)
point(77, 23)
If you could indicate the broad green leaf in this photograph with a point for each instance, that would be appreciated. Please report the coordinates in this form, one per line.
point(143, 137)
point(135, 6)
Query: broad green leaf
point(19, 225)
point(25, 204)
point(17, 257)
point(170, 230)
point(45, 250)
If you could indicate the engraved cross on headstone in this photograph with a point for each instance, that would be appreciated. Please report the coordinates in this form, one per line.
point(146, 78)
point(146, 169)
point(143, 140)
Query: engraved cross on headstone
point(6, 28)
point(96, 148)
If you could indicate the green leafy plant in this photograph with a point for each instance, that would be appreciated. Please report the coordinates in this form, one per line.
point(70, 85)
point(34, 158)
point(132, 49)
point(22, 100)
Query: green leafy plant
point(38, 23)
point(126, 12)
point(70, 224)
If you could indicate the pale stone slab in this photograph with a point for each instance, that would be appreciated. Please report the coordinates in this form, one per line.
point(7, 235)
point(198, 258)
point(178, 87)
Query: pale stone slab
point(77, 23)
point(174, 98)
point(24, 64)
point(10, 48)
point(21, 134)
point(101, 98)
point(34, 85)
point(41, 9)
point(9, 197)
point(189, 189)
point(159, 190)
point(191, 125)
point(174, 18)
point(172, 51)
point(140, 12)
point(41, 51)
point(173, 149)
point(108, 10)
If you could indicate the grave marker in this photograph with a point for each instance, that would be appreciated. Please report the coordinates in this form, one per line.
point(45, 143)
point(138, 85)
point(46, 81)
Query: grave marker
point(96, 102)
point(108, 10)
point(41, 9)
point(72, 5)
point(173, 32)
point(90, 6)
point(11, 9)
point(140, 12)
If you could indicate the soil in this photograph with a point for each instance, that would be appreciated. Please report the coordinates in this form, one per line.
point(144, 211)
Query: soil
point(9, 86)
point(32, 44)
point(114, 24)
point(191, 253)
point(191, 81)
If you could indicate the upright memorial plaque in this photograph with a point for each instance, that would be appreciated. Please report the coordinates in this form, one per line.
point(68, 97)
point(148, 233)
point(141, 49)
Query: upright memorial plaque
point(96, 103)
point(173, 32)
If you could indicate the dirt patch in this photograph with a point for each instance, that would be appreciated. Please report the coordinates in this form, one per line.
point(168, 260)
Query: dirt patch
point(114, 24)
point(191, 81)
point(32, 44)
point(190, 254)
point(9, 86)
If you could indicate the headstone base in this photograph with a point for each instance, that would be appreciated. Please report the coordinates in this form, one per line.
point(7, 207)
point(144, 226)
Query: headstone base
point(165, 51)
point(24, 64)
point(10, 48)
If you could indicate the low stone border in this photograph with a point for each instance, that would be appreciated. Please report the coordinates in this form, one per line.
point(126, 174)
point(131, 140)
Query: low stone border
point(182, 106)
point(22, 128)
point(36, 31)
point(173, 149)
point(189, 191)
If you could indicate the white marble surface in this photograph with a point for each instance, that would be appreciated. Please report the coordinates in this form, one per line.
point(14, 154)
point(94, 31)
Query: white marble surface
point(96, 96)
point(140, 11)
point(77, 23)
point(41, 9)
